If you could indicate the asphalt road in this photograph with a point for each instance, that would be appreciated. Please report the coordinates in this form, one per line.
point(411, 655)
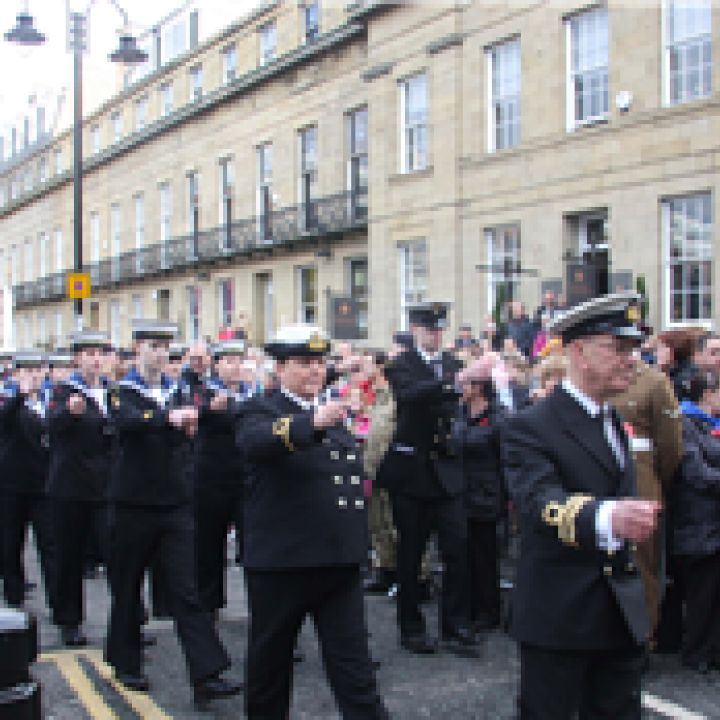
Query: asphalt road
point(77, 685)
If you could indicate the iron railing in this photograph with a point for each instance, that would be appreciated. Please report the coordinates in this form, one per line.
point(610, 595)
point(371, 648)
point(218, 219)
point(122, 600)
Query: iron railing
point(296, 226)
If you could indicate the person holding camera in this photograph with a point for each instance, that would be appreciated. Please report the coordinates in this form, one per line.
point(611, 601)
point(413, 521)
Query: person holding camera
point(423, 474)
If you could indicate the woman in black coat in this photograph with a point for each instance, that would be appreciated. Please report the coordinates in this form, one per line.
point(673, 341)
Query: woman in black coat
point(695, 520)
point(478, 432)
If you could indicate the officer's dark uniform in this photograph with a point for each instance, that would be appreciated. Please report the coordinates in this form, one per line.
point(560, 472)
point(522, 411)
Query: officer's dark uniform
point(218, 483)
point(305, 540)
point(151, 516)
point(79, 468)
point(23, 476)
point(424, 476)
point(578, 611)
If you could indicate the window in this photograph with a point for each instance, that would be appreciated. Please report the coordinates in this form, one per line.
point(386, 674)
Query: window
point(3, 195)
point(504, 87)
point(58, 161)
point(193, 313)
point(359, 290)
point(307, 294)
point(193, 200)
point(14, 188)
point(58, 327)
point(225, 197)
point(268, 43)
point(95, 139)
point(229, 63)
point(166, 98)
point(307, 181)
point(165, 223)
point(587, 48)
point(29, 261)
point(174, 40)
point(196, 82)
point(43, 169)
point(413, 114)
point(28, 180)
point(413, 276)
point(312, 20)
point(94, 315)
point(139, 201)
point(225, 302)
point(163, 304)
point(264, 191)
point(358, 163)
point(44, 250)
point(141, 108)
point(503, 256)
point(688, 51)
point(116, 121)
point(137, 307)
point(115, 322)
point(59, 262)
point(115, 241)
point(42, 329)
point(94, 238)
point(688, 227)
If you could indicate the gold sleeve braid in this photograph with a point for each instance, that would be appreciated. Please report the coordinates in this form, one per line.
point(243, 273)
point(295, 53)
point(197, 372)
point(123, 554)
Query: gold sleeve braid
point(281, 429)
point(563, 516)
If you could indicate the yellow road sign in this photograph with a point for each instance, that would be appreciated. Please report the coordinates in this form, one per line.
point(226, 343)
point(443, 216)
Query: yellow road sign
point(78, 285)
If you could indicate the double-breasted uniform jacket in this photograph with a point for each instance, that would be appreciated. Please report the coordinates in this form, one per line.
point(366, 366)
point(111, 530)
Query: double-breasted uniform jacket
point(23, 445)
point(79, 444)
point(152, 461)
point(304, 502)
point(423, 459)
point(569, 593)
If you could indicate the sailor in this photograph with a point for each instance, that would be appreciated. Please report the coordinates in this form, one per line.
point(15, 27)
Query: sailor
point(578, 609)
point(151, 517)
point(305, 534)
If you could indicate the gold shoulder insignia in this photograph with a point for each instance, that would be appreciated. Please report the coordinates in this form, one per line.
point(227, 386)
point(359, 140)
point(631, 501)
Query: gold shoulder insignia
point(281, 429)
point(563, 516)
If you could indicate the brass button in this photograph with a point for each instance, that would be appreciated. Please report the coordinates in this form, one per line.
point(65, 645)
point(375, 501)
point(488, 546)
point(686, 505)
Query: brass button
point(359, 504)
point(436, 439)
point(355, 479)
point(148, 414)
point(351, 457)
point(608, 570)
point(630, 567)
point(338, 480)
point(334, 455)
point(342, 503)
point(433, 455)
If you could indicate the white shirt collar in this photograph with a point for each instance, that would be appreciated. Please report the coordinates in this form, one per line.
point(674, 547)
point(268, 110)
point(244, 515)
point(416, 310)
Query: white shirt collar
point(429, 358)
point(592, 408)
point(304, 404)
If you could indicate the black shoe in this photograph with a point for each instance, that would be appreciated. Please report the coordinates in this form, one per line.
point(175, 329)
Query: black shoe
point(461, 641)
point(29, 586)
point(700, 666)
point(147, 640)
point(298, 657)
point(73, 637)
point(138, 683)
point(379, 582)
point(213, 688)
point(419, 644)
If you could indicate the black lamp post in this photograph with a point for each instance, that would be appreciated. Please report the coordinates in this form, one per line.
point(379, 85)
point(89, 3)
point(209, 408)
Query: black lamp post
point(126, 53)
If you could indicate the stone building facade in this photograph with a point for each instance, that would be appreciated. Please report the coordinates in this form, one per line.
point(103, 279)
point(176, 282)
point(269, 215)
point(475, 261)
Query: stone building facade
point(320, 158)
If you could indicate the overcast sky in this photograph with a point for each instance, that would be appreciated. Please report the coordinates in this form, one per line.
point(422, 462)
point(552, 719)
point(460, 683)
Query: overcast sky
point(44, 71)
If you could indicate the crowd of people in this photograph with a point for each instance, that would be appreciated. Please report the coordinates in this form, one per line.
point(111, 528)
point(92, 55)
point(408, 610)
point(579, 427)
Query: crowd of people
point(333, 466)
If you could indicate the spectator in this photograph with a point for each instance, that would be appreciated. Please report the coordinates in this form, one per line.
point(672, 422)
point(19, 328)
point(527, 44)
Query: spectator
point(548, 310)
point(520, 328)
point(675, 352)
point(696, 522)
point(707, 352)
point(465, 338)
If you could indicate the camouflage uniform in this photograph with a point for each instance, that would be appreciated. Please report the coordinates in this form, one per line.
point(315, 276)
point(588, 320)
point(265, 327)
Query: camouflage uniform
point(650, 411)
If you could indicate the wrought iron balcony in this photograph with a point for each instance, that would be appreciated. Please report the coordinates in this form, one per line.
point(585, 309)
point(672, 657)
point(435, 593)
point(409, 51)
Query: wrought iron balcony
point(298, 226)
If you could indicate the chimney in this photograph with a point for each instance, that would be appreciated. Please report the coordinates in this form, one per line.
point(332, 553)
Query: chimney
point(194, 29)
point(13, 141)
point(26, 132)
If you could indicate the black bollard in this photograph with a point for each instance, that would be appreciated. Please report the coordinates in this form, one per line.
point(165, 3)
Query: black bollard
point(19, 694)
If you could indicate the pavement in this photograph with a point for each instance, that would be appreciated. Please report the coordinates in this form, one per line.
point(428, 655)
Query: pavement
point(78, 685)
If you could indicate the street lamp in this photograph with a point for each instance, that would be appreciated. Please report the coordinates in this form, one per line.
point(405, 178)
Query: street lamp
point(127, 53)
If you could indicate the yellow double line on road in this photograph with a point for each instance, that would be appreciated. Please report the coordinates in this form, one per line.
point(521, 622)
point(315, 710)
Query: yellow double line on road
point(68, 663)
